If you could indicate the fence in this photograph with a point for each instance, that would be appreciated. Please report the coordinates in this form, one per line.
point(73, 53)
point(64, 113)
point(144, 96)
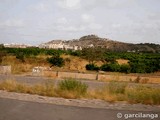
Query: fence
point(95, 76)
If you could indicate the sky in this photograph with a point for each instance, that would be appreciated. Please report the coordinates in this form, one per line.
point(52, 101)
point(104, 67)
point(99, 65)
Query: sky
point(39, 21)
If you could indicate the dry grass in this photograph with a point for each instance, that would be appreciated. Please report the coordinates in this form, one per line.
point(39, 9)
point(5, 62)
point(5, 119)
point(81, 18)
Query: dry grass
point(50, 74)
point(121, 92)
point(143, 94)
point(13, 86)
point(122, 61)
point(71, 88)
point(113, 92)
point(102, 94)
point(19, 67)
point(75, 64)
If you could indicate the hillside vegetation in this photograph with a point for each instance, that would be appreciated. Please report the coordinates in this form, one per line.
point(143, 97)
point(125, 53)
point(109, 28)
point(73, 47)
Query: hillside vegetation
point(94, 59)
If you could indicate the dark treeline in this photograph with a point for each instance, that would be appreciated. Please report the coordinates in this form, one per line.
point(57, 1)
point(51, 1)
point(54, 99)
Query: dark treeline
point(139, 62)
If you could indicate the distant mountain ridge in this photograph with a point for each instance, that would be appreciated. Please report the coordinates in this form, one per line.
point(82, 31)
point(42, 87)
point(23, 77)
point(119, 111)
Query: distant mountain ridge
point(95, 41)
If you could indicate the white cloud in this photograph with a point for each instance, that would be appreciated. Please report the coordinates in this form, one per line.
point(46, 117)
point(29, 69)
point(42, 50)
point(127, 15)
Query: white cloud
point(89, 22)
point(13, 23)
point(92, 4)
point(40, 7)
point(66, 28)
point(95, 26)
point(116, 25)
point(10, 2)
point(62, 20)
point(87, 18)
point(70, 4)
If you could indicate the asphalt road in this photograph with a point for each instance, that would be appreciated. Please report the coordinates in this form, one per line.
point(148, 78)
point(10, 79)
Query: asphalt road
point(21, 110)
point(35, 80)
point(92, 84)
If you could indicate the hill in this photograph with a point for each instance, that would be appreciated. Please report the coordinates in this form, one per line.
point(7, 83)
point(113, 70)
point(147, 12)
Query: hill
point(95, 41)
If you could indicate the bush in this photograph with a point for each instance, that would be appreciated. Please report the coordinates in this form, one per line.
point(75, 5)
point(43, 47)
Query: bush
point(137, 67)
point(56, 61)
point(105, 67)
point(137, 80)
point(112, 67)
point(73, 86)
point(20, 56)
point(125, 68)
point(92, 67)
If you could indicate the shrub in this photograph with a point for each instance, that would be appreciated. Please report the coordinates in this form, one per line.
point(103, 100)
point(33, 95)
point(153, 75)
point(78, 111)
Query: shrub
point(112, 67)
point(20, 56)
point(137, 66)
point(56, 61)
point(92, 67)
point(137, 80)
point(125, 68)
point(73, 86)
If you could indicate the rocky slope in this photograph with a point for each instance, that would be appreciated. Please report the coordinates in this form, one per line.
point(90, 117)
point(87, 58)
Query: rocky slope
point(95, 41)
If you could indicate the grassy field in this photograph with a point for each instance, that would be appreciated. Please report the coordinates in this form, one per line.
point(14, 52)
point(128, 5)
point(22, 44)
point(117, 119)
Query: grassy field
point(73, 64)
point(18, 67)
point(115, 91)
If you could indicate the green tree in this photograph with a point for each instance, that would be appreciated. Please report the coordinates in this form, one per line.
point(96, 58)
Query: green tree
point(2, 54)
point(93, 54)
point(92, 67)
point(137, 66)
point(56, 61)
point(125, 68)
point(112, 67)
point(20, 56)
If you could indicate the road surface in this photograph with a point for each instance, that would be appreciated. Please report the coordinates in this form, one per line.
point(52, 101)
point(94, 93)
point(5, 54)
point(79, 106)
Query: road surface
point(37, 80)
point(92, 84)
point(23, 110)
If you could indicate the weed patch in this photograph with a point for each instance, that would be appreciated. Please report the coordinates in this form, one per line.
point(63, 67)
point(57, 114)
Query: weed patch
point(114, 91)
point(72, 86)
point(143, 94)
point(116, 87)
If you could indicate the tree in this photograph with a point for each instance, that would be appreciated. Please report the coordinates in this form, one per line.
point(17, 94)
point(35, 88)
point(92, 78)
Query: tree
point(1, 46)
point(56, 61)
point(137, 66)
point(112, 67)
point(93, 54)
point(2, 54)
point(20, 56)
point(110, 60)
point(92, 67)
point(125, 68)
